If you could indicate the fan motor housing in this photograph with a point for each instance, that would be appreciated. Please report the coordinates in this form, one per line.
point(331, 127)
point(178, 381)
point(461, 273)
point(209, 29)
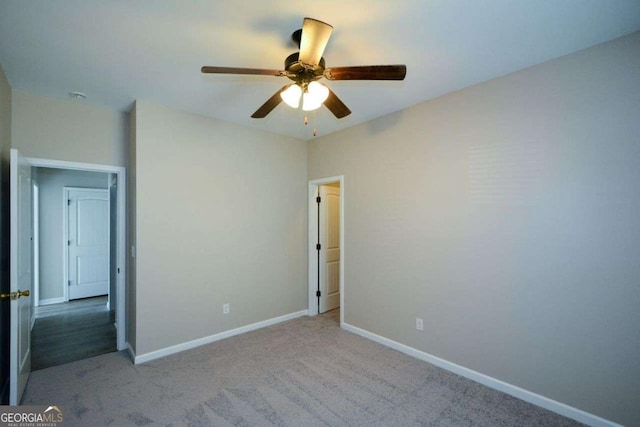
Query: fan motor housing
point(301, 72)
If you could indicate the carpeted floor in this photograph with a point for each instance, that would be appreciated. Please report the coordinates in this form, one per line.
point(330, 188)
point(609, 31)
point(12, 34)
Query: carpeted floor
point(305, 372)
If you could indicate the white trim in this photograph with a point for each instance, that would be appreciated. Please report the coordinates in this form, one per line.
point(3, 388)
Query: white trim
point(313, 229)
point(61, 164)
point(35, 195)
point(515, 391)
point(65, 246)
point(213, 338)
point(111, 181)
point(50, 301)
point(121, 179)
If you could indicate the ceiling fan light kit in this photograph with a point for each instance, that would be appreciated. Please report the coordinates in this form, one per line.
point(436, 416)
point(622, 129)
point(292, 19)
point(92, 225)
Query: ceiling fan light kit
point(314, 96)
point(291, 95)
point(306, 67)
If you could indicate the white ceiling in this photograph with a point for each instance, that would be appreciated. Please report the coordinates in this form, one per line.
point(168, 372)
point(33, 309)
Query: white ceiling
point(120, 50)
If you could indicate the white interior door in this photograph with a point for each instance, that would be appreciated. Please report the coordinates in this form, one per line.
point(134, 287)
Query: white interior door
point(21, 275)
point(330, 248)
point(88, 242)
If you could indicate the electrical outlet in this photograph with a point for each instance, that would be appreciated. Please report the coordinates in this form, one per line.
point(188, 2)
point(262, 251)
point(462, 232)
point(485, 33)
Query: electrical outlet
point(225, 308)
point(419, 324)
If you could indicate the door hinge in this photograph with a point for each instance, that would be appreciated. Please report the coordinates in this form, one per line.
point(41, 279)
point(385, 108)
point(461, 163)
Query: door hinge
point(68, 202)
point(318, 294)
point(318, 199)
point(118, 270)
point(68, 242)
point(69, 282)
point(318, 247)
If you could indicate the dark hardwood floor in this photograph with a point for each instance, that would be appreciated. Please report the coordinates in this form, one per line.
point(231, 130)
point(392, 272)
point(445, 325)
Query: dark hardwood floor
point(72, 333)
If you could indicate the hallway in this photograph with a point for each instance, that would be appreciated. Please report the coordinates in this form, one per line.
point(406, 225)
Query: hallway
point(72, 331)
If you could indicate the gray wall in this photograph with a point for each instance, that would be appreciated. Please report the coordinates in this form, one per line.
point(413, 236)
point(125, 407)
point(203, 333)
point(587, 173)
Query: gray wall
point(221, 218)
point(506, 215)
point(68, 130)
point(51, 183)
point(5, 145)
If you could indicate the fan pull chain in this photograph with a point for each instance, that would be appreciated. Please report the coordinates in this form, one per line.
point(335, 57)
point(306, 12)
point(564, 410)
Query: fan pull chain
point(306, 122)
point(315, 131)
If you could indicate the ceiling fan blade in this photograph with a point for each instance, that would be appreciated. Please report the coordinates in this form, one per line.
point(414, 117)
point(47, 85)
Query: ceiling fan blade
point(336, 106)
point(315, 35)
point(367, 72)
point(232, 70)
point(268, 106)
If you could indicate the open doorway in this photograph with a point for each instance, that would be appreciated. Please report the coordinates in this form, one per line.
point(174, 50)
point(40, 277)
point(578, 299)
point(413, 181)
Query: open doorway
point(21, 265)
point(74, 313)
point(326, 248)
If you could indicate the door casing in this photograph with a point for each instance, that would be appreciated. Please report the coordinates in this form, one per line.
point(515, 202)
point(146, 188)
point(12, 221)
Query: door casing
point(36, 245)
point(312, 254)
point(121, 182)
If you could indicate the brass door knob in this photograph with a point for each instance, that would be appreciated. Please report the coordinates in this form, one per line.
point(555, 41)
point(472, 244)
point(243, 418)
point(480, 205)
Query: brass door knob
point(15, 295)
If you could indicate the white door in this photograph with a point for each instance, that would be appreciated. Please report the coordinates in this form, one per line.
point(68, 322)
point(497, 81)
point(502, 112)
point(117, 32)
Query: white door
point(88, 242)
point(330, 248)
point(21, 275)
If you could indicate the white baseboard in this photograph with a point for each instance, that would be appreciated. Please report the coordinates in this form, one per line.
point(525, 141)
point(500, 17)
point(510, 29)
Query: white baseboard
point(515, 391)
point(51, 301)
point(213, 338)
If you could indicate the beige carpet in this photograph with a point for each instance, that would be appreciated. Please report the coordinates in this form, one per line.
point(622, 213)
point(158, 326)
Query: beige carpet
point(305, 372)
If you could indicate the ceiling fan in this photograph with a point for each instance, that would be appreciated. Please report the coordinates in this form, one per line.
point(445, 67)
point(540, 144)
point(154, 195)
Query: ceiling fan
point(306, 67)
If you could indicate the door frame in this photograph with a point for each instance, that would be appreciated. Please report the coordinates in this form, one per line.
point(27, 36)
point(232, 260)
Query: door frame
point(35, 196)
point(121, 195)
point(313, 231)
point(65, 238)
